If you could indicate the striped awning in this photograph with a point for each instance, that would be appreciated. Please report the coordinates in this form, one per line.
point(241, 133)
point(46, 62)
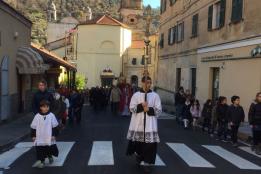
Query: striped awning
point(29, 61)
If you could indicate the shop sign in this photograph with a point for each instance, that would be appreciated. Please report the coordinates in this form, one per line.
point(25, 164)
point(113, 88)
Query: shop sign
point(217, 57)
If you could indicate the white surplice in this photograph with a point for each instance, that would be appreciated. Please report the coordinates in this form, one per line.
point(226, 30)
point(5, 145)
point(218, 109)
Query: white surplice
point(136, 129)
point(43, 124)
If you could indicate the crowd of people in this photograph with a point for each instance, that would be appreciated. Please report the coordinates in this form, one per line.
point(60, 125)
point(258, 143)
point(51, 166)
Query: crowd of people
point(118, 96)
point(218, 118)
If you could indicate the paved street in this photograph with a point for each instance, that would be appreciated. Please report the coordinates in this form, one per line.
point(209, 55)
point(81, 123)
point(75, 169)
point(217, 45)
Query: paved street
point(97, 146)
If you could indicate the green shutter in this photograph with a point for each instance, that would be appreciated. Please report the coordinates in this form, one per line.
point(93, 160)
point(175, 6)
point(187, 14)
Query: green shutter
point(174, 34)
point(237, 10)
point(182, 31)
point(222, 13)
point(195, 25)
point(210, 17)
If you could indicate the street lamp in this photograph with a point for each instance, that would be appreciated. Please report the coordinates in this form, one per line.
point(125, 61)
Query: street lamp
point(148, 18)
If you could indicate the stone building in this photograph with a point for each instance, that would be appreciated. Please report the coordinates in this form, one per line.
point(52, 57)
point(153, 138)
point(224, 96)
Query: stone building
point(210, 47)
point(131, 12)
point(98, 46)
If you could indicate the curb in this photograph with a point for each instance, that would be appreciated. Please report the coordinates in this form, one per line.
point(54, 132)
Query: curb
point(13, 142)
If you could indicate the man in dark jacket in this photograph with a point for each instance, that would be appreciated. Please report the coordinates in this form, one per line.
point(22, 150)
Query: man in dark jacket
point(180, 100)
point(254, 117)
point(222, 119)
point(41, 94)
point(235, 115)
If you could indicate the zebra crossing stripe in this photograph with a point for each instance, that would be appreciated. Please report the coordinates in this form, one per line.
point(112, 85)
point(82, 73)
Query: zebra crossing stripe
point(189, 156)
point(232, 158)
point(158, 162)
point(7, 158)
point(248, 150)
point(64, 149)
point(101, 154)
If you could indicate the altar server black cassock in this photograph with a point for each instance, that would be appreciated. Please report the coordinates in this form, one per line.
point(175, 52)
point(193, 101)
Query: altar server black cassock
point(145, 148)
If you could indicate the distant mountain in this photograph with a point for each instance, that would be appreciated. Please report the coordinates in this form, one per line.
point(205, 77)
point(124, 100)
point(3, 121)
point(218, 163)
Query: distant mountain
point(36, 11)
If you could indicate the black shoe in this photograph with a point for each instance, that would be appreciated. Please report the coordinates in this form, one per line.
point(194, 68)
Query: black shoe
point(147, 169)
point(235, 145)
point(138, 160)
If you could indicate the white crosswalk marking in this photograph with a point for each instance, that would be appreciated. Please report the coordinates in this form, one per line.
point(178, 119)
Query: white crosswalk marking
point(7, 158)
point(232, 158)
point(64, 149)
point(189, 156)
point(158, 162)
point(101, 154)
point(248, 150)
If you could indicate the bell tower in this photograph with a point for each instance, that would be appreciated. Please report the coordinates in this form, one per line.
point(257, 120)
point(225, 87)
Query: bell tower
point(132, 4)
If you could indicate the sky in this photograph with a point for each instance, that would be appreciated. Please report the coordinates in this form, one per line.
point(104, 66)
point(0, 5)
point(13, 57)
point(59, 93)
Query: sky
point(153, 3)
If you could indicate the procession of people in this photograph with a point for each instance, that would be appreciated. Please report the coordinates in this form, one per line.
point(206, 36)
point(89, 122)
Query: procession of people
point(217, 118)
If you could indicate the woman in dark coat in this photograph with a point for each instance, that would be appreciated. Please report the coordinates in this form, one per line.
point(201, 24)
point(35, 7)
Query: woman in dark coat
point(186, 114)
point(206, 114)
point(254, 117)
point(222, 118)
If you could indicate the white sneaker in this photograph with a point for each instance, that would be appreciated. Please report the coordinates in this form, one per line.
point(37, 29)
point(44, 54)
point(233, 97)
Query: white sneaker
point(38, 164)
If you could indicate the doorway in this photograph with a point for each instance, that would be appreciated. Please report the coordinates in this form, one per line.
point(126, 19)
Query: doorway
point(193, 81)
point(178, 78)
point(215, 83)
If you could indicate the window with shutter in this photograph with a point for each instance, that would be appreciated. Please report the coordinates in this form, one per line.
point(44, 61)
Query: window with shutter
point(163, 6)
point(134, 61)
point(237, 11)
point(180, 32)
point(195, 25)
point(172, 2)
point(174, 34)
point(210, 17)
point(222, 13)
point(169, 36)
point(142, 60)
point(161, 43)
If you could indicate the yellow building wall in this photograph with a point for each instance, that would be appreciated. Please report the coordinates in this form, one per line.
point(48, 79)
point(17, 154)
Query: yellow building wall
point(101, 47)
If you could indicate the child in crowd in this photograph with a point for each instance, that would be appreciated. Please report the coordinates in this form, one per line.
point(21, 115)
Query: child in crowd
point(186, 113)
point(206, 114)
point(235, 115)
point(195, 112)
point(44, 129)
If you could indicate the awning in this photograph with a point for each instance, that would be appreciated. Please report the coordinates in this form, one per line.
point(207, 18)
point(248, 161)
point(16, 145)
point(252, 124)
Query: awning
point(49, 57)
point(29, 61)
